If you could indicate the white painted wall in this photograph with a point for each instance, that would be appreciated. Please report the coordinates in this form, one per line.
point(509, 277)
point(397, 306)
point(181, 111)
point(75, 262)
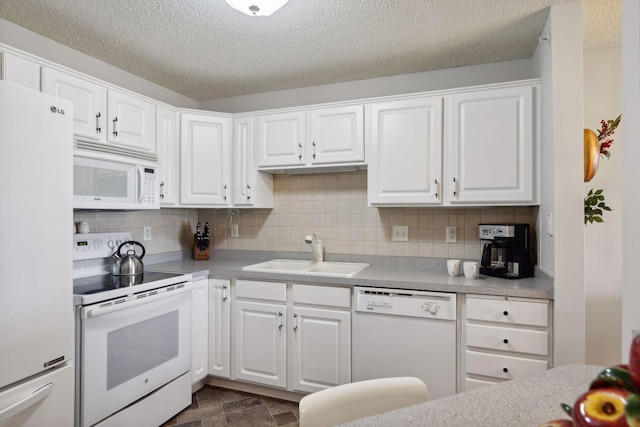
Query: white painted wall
point(630, 172)
point(35, 44)
point(603, 241)
point(560, 67)
point(383, 86)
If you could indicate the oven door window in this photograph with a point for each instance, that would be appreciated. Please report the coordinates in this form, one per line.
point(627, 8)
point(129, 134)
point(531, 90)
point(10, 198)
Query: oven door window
point(138, 348)
point(128, 353)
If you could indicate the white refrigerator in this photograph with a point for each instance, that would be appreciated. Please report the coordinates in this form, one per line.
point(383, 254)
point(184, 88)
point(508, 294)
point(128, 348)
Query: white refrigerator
point(36, 287)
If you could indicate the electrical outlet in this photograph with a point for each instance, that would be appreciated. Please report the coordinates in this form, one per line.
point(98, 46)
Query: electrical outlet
point(234, 230)
point(400, 233)
point(452, 234)
point(147, 233)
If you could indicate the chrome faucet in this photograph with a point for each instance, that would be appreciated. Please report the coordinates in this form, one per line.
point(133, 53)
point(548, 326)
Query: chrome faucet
point(316, 246)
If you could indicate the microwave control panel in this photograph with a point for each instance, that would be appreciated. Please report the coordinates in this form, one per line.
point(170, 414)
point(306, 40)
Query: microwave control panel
point(149, 194)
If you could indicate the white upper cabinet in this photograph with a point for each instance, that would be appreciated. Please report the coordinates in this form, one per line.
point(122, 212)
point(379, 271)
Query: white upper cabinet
point(251, 188)
point(490, 147)
point(281, 139)
point(131, 122)
point(125, 122)
point(20, 71)
point(318, 137)
point(169, 153)
point(336, 135)
point(205, 160)
point(89, 102)
point(405, 152)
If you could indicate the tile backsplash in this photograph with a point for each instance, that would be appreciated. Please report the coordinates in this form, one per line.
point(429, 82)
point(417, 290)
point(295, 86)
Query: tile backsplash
point(334, 205)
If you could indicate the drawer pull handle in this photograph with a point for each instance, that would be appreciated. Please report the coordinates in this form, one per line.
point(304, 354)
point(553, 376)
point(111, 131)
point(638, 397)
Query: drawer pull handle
point(506, 313)
point(505, 369)
point(506, 341)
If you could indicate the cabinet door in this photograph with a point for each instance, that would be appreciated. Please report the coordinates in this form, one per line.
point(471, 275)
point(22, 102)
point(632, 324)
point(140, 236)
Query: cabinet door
point(20, 71)
point(205, 160)
point(405, 155)
point(260, 343)
point(199, 330)
point(131, 122)
point(336, 135)
point(169, 153)
point(321, 353)
point(89, 102)
point(490, 149)
point(281, 139)
point(219, 328)
point(243, 161)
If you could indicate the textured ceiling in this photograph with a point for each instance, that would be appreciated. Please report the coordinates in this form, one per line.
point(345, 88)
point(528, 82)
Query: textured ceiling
point(205, 50)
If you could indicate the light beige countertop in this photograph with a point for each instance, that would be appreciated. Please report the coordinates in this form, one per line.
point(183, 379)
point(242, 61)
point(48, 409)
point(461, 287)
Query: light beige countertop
point(388, 272)
point(522, 402)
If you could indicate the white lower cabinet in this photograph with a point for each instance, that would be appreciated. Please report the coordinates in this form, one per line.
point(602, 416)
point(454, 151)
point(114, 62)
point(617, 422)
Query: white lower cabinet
point(219, 328)
point(292, 336)
point(259, 351)
point(199, 329)
point(504, 338)
point(320, 346)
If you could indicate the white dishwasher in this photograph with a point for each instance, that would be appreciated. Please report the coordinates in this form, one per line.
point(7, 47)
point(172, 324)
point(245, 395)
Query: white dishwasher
point(405, 333)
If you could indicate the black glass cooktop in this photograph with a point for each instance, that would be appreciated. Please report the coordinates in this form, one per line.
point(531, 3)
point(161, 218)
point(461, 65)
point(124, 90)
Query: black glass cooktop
point(108, 282)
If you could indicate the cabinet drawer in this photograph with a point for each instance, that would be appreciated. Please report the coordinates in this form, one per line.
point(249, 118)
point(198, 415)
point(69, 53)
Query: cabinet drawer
point(273, 291)
point(493, 365)
point(508, 339)
point(534, 313)
point(472, 383)
point(322, 295)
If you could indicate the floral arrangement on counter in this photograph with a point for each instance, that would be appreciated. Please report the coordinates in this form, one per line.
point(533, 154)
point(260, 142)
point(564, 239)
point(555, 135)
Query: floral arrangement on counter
point(613, 398)
point(594, 147)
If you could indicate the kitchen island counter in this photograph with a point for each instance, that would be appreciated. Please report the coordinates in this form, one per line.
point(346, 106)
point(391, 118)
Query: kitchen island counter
point(388, 272)
point(525, 402)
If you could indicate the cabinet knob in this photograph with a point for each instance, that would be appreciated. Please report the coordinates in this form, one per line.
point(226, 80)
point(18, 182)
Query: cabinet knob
point(505, 369)
point(506, 341)
point(506, 313)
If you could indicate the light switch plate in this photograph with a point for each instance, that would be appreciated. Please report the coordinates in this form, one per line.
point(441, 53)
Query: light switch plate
point(234, 230)
point(400, 233)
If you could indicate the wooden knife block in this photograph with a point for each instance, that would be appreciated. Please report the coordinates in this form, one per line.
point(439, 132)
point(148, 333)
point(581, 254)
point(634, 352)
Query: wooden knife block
point(199, 254)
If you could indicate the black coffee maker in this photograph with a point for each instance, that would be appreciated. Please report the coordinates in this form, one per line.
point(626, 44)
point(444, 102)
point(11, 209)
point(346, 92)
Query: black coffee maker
point(506, 251)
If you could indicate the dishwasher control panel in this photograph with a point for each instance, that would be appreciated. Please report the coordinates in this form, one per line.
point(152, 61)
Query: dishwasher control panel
point(398, 302)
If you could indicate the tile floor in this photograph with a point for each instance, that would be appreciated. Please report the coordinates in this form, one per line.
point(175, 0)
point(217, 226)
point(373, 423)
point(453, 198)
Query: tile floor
point(218, 407)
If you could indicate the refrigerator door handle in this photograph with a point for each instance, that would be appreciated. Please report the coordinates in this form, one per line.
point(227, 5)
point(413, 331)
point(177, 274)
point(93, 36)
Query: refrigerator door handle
point(27, 402)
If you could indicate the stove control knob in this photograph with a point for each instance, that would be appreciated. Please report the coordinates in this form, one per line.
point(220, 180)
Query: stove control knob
point(111, 244)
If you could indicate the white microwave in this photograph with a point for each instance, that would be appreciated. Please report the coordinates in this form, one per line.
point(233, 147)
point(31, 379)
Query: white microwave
point(109, 183)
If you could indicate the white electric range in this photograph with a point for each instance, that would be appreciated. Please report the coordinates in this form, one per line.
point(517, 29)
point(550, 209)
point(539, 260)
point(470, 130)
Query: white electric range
point(133, 339)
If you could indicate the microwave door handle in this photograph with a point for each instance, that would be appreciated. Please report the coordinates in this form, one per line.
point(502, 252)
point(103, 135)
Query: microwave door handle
point(140, 171)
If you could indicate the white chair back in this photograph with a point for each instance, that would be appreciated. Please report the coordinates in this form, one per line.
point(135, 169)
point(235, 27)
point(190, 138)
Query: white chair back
point(360, 399)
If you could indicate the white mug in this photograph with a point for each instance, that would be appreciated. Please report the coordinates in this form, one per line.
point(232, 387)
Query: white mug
point(83, 227)
point(453, 267)
point(470, 269)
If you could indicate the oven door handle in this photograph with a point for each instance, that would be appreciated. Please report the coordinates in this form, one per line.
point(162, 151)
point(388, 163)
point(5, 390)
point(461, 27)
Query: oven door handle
point(118, 304)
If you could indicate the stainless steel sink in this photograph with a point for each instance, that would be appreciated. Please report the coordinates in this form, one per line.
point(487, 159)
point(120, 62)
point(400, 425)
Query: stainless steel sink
point(294, 266)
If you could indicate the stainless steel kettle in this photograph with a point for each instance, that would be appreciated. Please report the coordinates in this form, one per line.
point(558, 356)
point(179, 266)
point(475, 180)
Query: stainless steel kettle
point(129, 264)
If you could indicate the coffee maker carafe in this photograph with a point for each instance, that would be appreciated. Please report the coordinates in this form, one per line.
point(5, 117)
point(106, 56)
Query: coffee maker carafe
point(506, 251)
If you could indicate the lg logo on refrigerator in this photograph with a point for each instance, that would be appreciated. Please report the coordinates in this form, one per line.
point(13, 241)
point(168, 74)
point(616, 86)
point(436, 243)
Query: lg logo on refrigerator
point(56, 110)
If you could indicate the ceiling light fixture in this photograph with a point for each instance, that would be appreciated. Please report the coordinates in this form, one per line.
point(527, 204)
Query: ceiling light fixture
point(257, 7)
